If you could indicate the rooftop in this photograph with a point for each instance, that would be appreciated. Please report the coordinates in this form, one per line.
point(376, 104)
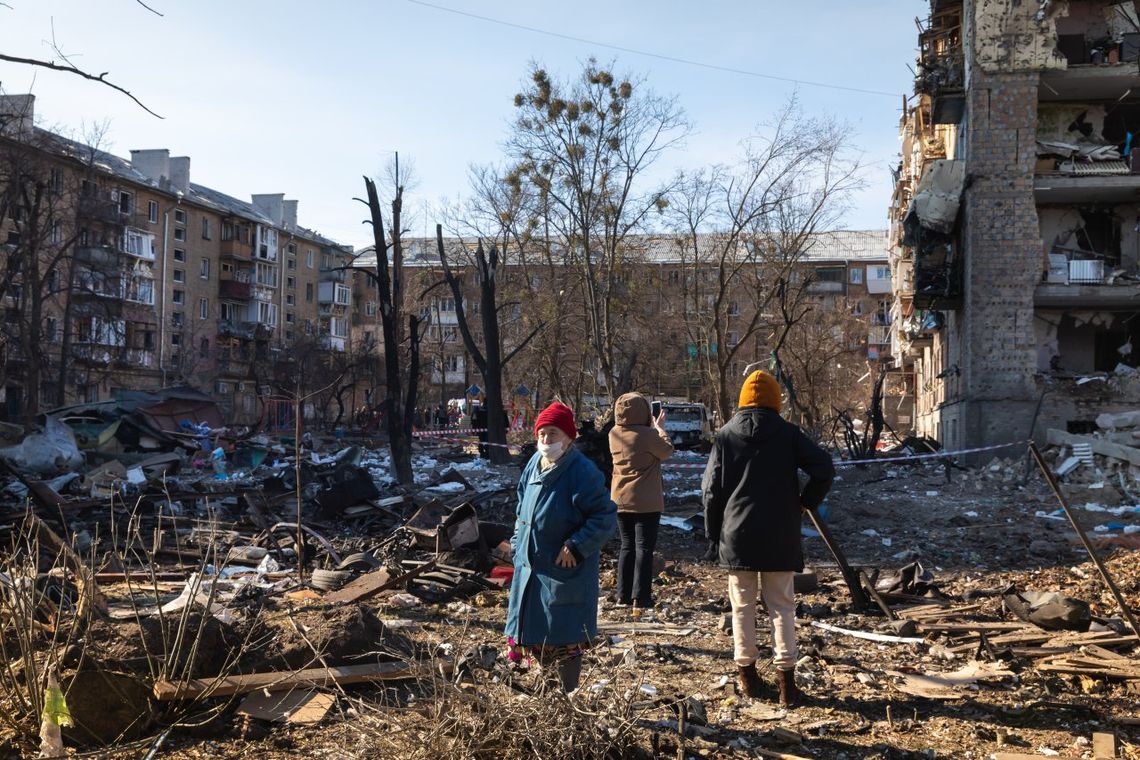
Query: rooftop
point(199, 195)
point(836, 245)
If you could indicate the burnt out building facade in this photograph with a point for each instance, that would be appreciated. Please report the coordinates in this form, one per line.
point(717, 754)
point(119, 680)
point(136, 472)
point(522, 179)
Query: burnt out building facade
point(1015, 243)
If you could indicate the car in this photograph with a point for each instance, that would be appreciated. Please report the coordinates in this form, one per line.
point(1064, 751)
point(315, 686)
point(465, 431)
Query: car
point(688, 425)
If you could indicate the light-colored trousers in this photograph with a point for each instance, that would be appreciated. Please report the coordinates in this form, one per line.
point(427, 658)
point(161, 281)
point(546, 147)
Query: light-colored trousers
point(779, 597)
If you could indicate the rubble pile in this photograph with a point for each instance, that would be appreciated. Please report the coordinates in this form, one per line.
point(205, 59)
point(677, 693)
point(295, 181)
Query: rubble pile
point(1102, 466)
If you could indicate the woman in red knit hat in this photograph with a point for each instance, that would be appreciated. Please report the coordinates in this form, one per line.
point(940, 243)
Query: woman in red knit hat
point(564, 516)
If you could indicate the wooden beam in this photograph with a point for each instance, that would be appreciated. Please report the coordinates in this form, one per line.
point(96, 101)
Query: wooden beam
point(370, 584)
point(167, 691)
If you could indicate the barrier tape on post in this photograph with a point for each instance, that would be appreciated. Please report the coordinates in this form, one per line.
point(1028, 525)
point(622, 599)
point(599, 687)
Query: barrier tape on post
point(880, 460)
point(933, 455)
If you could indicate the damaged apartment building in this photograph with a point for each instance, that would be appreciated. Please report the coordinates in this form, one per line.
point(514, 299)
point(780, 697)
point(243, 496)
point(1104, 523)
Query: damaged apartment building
point(120, 274)
point(1015, 221)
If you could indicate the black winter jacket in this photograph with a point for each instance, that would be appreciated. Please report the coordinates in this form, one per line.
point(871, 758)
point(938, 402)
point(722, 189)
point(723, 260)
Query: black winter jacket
point(751, 491)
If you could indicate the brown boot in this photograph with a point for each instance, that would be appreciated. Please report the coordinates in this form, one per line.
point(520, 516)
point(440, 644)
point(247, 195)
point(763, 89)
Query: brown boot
point(790, 694)
point(748, 681)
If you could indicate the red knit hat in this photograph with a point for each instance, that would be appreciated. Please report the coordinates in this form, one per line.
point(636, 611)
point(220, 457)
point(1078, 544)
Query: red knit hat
point(558, 415)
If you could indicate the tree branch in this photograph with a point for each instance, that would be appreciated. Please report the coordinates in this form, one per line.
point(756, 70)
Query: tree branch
point(152, 10)
point(71, 69)
point(521, 346)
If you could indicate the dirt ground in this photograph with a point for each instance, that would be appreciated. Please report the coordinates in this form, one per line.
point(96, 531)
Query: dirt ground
point(988, 529)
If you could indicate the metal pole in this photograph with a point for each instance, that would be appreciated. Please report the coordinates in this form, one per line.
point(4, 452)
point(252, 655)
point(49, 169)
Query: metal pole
point(1084, 538)
point(858, 598)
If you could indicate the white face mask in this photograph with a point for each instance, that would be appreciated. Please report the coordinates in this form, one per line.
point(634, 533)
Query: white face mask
point(551, 452)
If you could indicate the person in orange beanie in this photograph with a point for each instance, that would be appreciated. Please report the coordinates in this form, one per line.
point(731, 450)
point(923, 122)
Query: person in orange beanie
point(753, 510)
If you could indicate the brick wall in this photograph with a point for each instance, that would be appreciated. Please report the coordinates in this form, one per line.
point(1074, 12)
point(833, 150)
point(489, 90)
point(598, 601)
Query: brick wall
point(1002, 246)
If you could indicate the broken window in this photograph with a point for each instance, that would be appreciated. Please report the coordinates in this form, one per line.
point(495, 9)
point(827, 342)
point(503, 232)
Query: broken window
point(1089, 342)
point(1100, 234)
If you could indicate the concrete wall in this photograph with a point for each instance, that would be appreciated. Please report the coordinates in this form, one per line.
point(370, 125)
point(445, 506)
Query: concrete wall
point(1008, 36)
point(1054, 119)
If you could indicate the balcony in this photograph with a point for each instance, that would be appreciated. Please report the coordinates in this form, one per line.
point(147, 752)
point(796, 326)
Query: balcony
point(93, 286)
point(902, 280)
point(94, 353)
point(332, 343)
point(98, 256)
point(1071, 296)
point(334, 294)
point(450, 377)
point(235, 249)
point(937, 278)
point(1095, 70)
point(137, 358)
point(824, 286)
point(101, 208)
point(941, 72)
point(233, 366)
point(138, 243)
point(231, 328)
point(235, 290)
point(879, 335)
point(1097, 188)
point(334, 275)
point(448, 317)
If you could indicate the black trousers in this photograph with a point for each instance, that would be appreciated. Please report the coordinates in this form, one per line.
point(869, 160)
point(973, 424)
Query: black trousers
point(635, 562)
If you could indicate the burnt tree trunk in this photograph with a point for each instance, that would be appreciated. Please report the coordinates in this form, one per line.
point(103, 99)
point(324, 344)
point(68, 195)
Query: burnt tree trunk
point(387, 285)
point(489, 359)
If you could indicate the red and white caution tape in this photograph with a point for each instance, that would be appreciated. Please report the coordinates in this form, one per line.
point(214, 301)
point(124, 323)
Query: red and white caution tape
point(446, 432)
point(474, 442)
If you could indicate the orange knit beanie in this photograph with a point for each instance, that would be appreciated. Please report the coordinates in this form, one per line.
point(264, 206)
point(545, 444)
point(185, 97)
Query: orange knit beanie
point(760, 389)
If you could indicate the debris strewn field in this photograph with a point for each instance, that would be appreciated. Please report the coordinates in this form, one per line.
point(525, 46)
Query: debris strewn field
point(172, 609)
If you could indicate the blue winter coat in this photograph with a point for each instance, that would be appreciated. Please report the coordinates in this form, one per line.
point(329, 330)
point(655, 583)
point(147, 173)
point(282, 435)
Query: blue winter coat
point(566, 504)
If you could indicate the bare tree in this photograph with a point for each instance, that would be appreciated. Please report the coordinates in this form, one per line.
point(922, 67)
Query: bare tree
point(401, 375)
point(821, 358)
point(740, 231)
point(584, 147)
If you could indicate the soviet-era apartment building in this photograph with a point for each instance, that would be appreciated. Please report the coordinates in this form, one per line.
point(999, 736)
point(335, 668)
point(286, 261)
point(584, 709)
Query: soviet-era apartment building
point(123, 273)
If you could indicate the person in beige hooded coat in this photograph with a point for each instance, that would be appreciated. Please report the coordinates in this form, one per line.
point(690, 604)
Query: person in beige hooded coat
point(639, 444)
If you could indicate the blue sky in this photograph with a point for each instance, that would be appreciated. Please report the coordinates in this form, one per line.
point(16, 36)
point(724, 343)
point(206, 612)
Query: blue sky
point(304, 97)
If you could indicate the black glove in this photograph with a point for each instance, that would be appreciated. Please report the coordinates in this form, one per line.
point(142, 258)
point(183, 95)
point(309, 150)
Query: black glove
point(712, 554)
